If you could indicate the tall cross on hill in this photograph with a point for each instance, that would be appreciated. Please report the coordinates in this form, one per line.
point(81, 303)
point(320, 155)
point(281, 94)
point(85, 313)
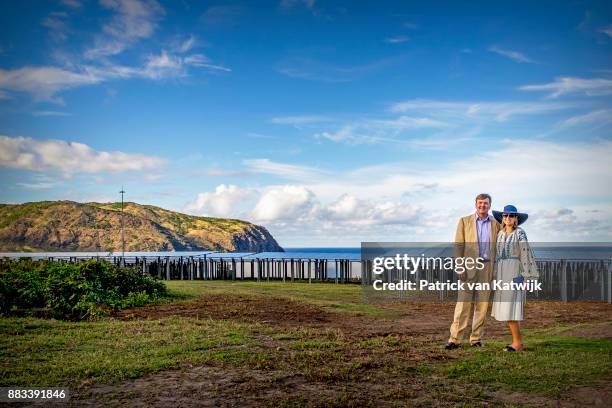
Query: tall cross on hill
point(122, 192)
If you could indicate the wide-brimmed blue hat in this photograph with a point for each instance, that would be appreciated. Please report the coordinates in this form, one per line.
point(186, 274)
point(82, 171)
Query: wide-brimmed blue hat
point(510, 209)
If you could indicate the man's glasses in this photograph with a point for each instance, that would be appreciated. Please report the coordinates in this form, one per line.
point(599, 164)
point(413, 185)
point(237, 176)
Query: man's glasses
point(509, 215)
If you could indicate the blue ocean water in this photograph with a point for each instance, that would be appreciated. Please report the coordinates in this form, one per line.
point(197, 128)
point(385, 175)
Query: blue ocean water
point(541, 251)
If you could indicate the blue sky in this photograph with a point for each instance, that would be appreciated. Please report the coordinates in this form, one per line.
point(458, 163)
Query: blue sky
point(328, 122)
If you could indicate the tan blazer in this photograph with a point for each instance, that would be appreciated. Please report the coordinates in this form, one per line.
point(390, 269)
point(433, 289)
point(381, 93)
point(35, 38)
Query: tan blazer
point(466, 240)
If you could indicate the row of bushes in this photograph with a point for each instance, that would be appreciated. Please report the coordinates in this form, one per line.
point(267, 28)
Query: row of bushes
point(81, 291)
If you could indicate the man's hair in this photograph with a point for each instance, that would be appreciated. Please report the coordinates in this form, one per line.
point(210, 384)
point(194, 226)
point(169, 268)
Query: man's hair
point(483, 196)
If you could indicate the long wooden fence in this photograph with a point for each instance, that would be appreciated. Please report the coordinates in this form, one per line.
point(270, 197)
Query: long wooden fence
point(565, 280)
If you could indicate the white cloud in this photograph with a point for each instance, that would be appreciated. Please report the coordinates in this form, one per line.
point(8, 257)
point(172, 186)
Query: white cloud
point(607, 30)
point(133, 20)
point(215, 172)
point(163, 65)
point(201, 61)
point(187, 45)
point(396, 202)
point(44, 82)
point(313, 69)
point(600, 116)
point(56, 23)
point(498, 111)
point(350, 210)
point(397, 39)
point(157, 66)
point(513, 55)
point(50, 113)
point(380, 130)
point(570, 85)
point(36, 186)
point(289, 203)
point(223, 202)
point(408, 122)
point(283, 170)
point(69, 157)
point(299, 120)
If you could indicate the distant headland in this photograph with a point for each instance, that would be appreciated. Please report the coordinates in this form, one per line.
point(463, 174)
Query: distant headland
point(72, 226)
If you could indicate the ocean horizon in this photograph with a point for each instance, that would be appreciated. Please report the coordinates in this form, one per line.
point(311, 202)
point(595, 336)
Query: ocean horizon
point(549, 251)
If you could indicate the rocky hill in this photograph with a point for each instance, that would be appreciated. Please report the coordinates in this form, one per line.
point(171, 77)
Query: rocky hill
point(71, 226)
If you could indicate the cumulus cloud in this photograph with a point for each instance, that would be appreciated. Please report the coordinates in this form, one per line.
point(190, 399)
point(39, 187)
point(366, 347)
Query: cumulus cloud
point(398, 201)
point(578, 224)
point(397, 197)
point(225, 201)
point(68, 157)
point(350, 210)
point(572, 85)
point(293, 205)
point(289, 203)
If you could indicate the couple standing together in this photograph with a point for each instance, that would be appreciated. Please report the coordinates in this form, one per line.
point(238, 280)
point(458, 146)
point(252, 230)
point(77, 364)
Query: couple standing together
point(503, 246)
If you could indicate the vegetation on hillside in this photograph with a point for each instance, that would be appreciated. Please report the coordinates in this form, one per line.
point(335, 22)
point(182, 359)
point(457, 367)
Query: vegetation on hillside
point(71, 226)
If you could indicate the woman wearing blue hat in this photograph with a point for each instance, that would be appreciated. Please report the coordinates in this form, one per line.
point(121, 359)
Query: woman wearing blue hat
point(514, 262)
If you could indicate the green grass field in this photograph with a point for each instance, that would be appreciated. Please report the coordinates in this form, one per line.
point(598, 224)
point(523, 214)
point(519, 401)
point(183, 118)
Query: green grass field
point(342, 352)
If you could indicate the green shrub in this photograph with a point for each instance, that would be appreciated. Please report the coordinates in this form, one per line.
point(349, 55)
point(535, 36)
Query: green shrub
point(85, 290)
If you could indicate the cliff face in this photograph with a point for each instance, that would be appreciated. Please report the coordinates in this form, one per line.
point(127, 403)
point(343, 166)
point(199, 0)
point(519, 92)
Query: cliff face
point(71, 226)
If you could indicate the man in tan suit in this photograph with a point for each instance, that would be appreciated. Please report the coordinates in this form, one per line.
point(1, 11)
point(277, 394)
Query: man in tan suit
point(476, 237)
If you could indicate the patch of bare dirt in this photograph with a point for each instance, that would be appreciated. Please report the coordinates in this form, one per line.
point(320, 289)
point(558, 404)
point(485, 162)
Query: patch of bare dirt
point(426, 320)
point(215, 386)
point(579, 397)
point(267, 310)
point(595, 331)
